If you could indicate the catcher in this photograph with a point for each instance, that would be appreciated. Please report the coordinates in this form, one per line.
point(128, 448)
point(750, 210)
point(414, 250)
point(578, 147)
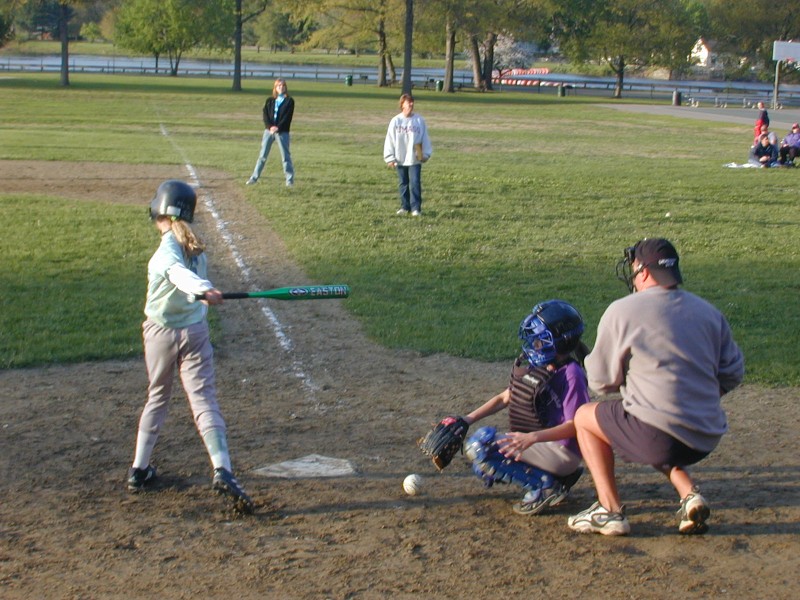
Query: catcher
point(548, 384)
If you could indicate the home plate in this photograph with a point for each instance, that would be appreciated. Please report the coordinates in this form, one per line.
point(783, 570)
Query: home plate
point(312, 465)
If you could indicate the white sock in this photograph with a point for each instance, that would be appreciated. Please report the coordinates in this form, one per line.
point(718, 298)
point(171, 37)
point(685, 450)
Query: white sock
point(145, 442)
point(217, 445)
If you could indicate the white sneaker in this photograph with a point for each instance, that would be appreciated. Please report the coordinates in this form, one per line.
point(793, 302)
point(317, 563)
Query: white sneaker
point(402, 211)
point(252, 181)
point(597, 519)
point(415, 213)
point(693, 513)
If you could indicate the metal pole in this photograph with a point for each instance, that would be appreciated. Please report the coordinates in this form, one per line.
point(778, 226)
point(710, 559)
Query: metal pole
point(777, 83)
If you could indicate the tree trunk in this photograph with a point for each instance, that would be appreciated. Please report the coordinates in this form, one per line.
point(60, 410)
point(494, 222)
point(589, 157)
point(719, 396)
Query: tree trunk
point(174, 61)
point(237, 48)
point(488, 59)
point(619, 70)
point(382, 52)
point(475, 59)
point(391, 72)
point(63, 34)
point(449, 55)
point(407, 48)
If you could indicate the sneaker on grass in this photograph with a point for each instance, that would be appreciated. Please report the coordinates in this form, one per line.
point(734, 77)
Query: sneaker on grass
point(597, 519)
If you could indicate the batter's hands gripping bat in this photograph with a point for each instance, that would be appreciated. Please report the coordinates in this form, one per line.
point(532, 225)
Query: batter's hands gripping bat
point(298, 292)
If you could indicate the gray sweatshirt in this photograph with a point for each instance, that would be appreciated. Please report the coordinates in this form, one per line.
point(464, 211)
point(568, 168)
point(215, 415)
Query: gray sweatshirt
point(671, 355)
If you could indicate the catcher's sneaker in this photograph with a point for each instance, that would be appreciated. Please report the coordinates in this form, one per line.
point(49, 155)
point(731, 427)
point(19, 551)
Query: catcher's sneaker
point(225, 484)
point(597, 519)
point(140, 479)
point(693, 514)
point(564, 485)
point(536, 501)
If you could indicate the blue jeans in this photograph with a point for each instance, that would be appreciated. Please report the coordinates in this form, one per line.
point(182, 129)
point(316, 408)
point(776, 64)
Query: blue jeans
point(410, 187)
point(286, 156)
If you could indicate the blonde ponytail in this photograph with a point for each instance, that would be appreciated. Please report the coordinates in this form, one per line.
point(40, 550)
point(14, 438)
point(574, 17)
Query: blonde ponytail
point(192, 245)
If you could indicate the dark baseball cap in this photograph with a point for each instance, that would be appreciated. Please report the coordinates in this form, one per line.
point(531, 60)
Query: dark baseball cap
point(661, 259)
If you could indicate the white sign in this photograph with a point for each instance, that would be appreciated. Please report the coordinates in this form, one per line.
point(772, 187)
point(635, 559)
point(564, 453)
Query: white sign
point(786, 51)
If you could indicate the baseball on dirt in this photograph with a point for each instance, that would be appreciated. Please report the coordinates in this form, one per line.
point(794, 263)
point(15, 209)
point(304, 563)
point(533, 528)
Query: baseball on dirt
point(413, 484)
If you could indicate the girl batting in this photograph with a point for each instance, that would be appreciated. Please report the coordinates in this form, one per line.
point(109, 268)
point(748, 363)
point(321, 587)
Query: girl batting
point(176, 338)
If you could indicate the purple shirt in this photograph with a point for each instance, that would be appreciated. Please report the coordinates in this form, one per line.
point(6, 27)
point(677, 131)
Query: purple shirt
point(792, 139)
point(568, 390)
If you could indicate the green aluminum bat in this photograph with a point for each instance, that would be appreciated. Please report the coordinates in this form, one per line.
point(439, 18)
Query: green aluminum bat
point(297, 292)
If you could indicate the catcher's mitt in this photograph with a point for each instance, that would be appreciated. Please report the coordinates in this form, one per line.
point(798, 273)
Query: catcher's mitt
point(443, 441)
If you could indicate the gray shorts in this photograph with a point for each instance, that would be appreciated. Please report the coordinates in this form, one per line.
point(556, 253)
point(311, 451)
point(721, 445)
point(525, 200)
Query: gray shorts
point(637, 442)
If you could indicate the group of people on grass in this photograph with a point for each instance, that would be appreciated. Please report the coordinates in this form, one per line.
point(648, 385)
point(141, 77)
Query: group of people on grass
point(766, 151)
point(406, 147)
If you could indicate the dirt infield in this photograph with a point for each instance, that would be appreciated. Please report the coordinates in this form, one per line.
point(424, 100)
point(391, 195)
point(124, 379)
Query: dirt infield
point(69, 529)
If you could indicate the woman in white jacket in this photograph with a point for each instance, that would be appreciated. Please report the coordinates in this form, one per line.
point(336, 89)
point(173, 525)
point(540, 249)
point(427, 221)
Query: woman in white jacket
point(407, 146)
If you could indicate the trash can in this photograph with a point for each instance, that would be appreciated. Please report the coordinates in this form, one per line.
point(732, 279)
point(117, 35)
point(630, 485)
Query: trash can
point(676, 98)
point(348, 80)
point(562, 91)
point(439, 85)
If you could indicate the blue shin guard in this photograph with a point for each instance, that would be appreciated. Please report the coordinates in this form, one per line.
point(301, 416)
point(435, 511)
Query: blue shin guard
point(491, 467)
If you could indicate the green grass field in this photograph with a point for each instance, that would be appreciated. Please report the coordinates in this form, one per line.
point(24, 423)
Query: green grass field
point(527, 197)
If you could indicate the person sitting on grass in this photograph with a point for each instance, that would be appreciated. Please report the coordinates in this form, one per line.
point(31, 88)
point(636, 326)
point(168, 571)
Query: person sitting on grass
point(764, 154)
point(790, 146)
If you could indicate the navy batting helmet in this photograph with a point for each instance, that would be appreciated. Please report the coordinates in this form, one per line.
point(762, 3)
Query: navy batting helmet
point(174, 198)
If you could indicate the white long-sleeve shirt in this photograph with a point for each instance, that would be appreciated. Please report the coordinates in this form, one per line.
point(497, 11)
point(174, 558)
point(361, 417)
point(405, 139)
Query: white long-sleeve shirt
point(173, 280)
point(403, 133)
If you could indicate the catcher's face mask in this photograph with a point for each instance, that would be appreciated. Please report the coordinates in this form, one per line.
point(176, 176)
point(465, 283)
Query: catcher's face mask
point(537, 341)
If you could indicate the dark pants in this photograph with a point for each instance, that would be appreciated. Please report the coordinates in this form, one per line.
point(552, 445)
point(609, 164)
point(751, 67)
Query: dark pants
point(410, 187)
point(788, 151)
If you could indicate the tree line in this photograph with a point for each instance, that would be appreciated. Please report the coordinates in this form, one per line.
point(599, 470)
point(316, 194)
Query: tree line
point(493, 34)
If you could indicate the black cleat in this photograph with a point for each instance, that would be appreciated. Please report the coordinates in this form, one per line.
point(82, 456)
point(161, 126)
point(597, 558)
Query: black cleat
point(225, 484)
point(140, 479)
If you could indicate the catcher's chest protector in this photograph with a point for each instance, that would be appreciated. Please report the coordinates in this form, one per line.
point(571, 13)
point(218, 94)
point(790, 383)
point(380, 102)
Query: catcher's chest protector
point(523, 409)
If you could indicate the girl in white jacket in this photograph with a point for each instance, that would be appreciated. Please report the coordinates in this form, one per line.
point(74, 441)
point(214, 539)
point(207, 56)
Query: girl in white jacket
point(407, 146)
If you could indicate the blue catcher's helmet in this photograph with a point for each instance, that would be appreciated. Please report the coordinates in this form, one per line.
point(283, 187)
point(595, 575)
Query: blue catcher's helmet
point(553, 327)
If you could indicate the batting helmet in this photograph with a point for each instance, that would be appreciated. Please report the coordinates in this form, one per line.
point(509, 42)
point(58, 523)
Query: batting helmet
point(174, 198)
point(553, 327)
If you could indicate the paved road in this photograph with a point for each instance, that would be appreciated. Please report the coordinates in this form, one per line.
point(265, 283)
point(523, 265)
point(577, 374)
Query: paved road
point(780, 120)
